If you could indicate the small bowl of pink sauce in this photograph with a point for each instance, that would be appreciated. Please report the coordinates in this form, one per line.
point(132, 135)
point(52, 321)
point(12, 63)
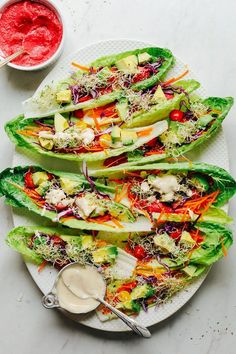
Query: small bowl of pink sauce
point(37, 27)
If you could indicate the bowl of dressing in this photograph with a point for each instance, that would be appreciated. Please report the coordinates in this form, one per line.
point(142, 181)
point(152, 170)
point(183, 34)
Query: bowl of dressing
point(76, 289)
point(35, 26)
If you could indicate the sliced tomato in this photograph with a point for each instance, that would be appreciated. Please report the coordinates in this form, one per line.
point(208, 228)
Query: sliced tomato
point(177, 115)
point(79, 113)
point(29, 180)
point(176, 234)
point(60, 207)
point(57, 240)
point(152, 143)
point(169, 96)
point(144, 73)
point(85, 98)
point(127, 287)
point(158, 207)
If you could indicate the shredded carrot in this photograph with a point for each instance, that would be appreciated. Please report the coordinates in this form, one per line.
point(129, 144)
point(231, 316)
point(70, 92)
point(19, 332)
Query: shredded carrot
point(122, 194)
point(81, 67)
point(150, 153)
point(144, 132)
point(97, 125)
point(42, 266)
point(117, 223)
point(224, 250)
point(174, 79)
point(26, 133)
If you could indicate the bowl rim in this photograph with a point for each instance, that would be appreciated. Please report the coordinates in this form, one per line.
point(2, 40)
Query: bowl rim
point(53, 5)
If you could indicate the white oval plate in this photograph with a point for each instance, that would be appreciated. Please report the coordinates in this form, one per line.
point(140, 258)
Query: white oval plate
point(214, 152)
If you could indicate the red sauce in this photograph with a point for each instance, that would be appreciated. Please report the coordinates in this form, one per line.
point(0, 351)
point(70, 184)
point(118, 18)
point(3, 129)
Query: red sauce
point(30, 25)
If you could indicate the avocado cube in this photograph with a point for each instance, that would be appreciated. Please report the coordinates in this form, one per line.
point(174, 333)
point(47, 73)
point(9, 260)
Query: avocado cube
point(203, 121)
point(116, 134)
point(87, 242)
point(122, 109)
point(141, 292)
point(128, 65)
point(159, 96)
point(165, 243)
point(46, 143)
point(69, 186)
point(187, 238)
point(64, 96)
point(43, 187)
point(144, 58)
point(105, 254)
point(60, 123)
point(128, 137)
point(39, 177)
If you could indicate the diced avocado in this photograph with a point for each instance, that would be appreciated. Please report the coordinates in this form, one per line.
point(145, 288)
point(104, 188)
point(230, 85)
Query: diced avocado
point(39, 177)
point(69, 186)
point(200, 182)
point(46, 143)
point(159, 96)
point(120, 212)
point(87, 242)
point(105, 254)
point(204, 120)
point(129, 305)
point(190, 270)
point(187, 238)
point(98, 211)
point(60, 123)
point(144, 58)
point(128, 137)
point(122, 109)
point(128, 65)
point(43, 187)
point(64, 96)
point(116, 134)
point(165, 243)
point(141, 292)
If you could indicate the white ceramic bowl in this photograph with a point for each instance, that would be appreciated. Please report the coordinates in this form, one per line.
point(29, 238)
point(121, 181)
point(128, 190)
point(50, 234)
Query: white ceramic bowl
point(53, 6)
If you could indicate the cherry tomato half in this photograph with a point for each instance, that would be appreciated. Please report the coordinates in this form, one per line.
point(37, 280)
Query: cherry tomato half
point(177, 115)
point(139, 252)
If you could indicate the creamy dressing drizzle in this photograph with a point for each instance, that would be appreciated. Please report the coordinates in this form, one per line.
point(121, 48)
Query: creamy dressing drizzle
point(77, 288)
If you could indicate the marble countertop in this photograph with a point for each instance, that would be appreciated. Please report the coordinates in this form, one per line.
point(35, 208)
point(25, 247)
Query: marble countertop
point(202, 34)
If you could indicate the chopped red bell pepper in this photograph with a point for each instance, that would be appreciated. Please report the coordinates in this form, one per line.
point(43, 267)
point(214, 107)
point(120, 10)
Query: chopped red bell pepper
point(29, 180)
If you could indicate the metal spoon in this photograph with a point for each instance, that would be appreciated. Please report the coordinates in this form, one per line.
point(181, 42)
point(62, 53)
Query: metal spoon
point(50, 301)
point(11, 57)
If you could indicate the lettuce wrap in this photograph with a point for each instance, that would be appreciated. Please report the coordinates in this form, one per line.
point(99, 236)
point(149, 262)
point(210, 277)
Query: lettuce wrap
point(131, 200)
point(94, 135)
point(198, 120)
point(169, 258)
point(101, 82)
point(173, 191)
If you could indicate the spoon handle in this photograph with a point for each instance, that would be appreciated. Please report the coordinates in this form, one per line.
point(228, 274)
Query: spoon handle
point(137, 328)
point(11, 57)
